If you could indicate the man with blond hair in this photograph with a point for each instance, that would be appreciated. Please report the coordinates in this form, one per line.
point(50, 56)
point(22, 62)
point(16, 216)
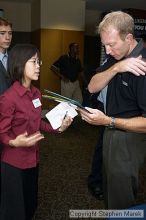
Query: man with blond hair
point(124, 143)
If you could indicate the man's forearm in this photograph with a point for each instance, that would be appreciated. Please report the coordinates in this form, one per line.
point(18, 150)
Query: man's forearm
point(136, 124)
point(56, 70)
point(96, 117)
point(134, 65)
point(100, 80)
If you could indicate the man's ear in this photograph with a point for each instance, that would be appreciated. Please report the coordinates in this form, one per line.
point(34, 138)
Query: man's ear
point(129, 37)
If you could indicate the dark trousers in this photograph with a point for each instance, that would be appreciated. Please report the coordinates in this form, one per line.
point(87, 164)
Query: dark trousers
point(123, 155)
point(95, 177)
point(19, 192)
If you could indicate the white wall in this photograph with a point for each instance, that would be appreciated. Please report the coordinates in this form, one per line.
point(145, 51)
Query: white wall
point(63, 14)
point(18, 13)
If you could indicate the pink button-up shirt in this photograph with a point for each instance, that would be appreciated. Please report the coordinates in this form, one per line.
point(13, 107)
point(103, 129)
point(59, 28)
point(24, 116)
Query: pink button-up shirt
point(17, 115)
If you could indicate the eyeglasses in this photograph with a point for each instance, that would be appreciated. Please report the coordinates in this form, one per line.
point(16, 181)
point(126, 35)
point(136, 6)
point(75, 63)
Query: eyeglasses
point(36, 62)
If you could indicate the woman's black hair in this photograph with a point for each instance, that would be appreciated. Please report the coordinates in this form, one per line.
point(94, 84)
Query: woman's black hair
point(17, 59)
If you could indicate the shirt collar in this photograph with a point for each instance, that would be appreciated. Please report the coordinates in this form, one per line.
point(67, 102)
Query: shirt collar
point(21, 90)
point(2, 55)
point(136, 51)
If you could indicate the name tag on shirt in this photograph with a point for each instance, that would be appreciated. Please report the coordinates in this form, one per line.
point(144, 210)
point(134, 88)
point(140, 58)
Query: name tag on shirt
point(36, 103)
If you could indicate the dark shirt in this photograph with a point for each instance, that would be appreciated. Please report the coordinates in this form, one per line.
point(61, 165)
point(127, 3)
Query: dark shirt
point(69, 66)
point(5, 81)
point(17, 116)
point(126, 95)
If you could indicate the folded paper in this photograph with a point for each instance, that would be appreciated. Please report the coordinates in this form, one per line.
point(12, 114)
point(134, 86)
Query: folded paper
point(57, 114)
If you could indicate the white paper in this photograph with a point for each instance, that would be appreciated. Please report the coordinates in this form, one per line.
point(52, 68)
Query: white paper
point(57, 114)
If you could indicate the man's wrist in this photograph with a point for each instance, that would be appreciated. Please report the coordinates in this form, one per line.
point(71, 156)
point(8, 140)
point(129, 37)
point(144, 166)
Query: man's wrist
point(112, 123)
point(115, 69)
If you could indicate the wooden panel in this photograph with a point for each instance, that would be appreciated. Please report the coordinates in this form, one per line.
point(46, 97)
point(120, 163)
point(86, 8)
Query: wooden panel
point(54, 43)
point(51, 48)
point(73, 36)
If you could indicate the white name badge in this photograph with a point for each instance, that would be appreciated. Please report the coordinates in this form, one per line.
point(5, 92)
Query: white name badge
point(36, 103)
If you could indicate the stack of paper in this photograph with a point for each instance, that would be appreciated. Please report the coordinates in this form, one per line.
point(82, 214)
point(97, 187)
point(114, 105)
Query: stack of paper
point(57, 114)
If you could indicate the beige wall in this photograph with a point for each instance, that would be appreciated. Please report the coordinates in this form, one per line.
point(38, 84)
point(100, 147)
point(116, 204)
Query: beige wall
point(18, 13)
point(35, 15)
point(51, 14)
point(63, 14)
point(54, 25)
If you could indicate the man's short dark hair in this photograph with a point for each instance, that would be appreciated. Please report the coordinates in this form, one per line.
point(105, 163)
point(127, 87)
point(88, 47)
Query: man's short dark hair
point(72, 45)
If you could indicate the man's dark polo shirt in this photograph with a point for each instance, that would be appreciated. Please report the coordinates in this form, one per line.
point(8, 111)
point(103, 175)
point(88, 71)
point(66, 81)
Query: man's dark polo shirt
point(69, 66)
point(126, 95)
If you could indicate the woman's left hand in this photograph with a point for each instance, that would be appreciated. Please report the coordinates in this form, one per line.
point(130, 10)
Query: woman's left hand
point(65, 123)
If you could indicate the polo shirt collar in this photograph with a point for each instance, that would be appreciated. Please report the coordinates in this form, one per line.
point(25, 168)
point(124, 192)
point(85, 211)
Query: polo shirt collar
point(136, 51)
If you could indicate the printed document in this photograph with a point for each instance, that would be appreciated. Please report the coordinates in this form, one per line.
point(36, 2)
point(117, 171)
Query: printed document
point(57, 114)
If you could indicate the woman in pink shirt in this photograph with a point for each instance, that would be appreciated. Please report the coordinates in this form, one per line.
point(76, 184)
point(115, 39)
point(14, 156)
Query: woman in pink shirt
point(20, 126)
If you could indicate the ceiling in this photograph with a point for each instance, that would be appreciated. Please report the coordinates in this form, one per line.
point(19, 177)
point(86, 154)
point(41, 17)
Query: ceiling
point(107, 5)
